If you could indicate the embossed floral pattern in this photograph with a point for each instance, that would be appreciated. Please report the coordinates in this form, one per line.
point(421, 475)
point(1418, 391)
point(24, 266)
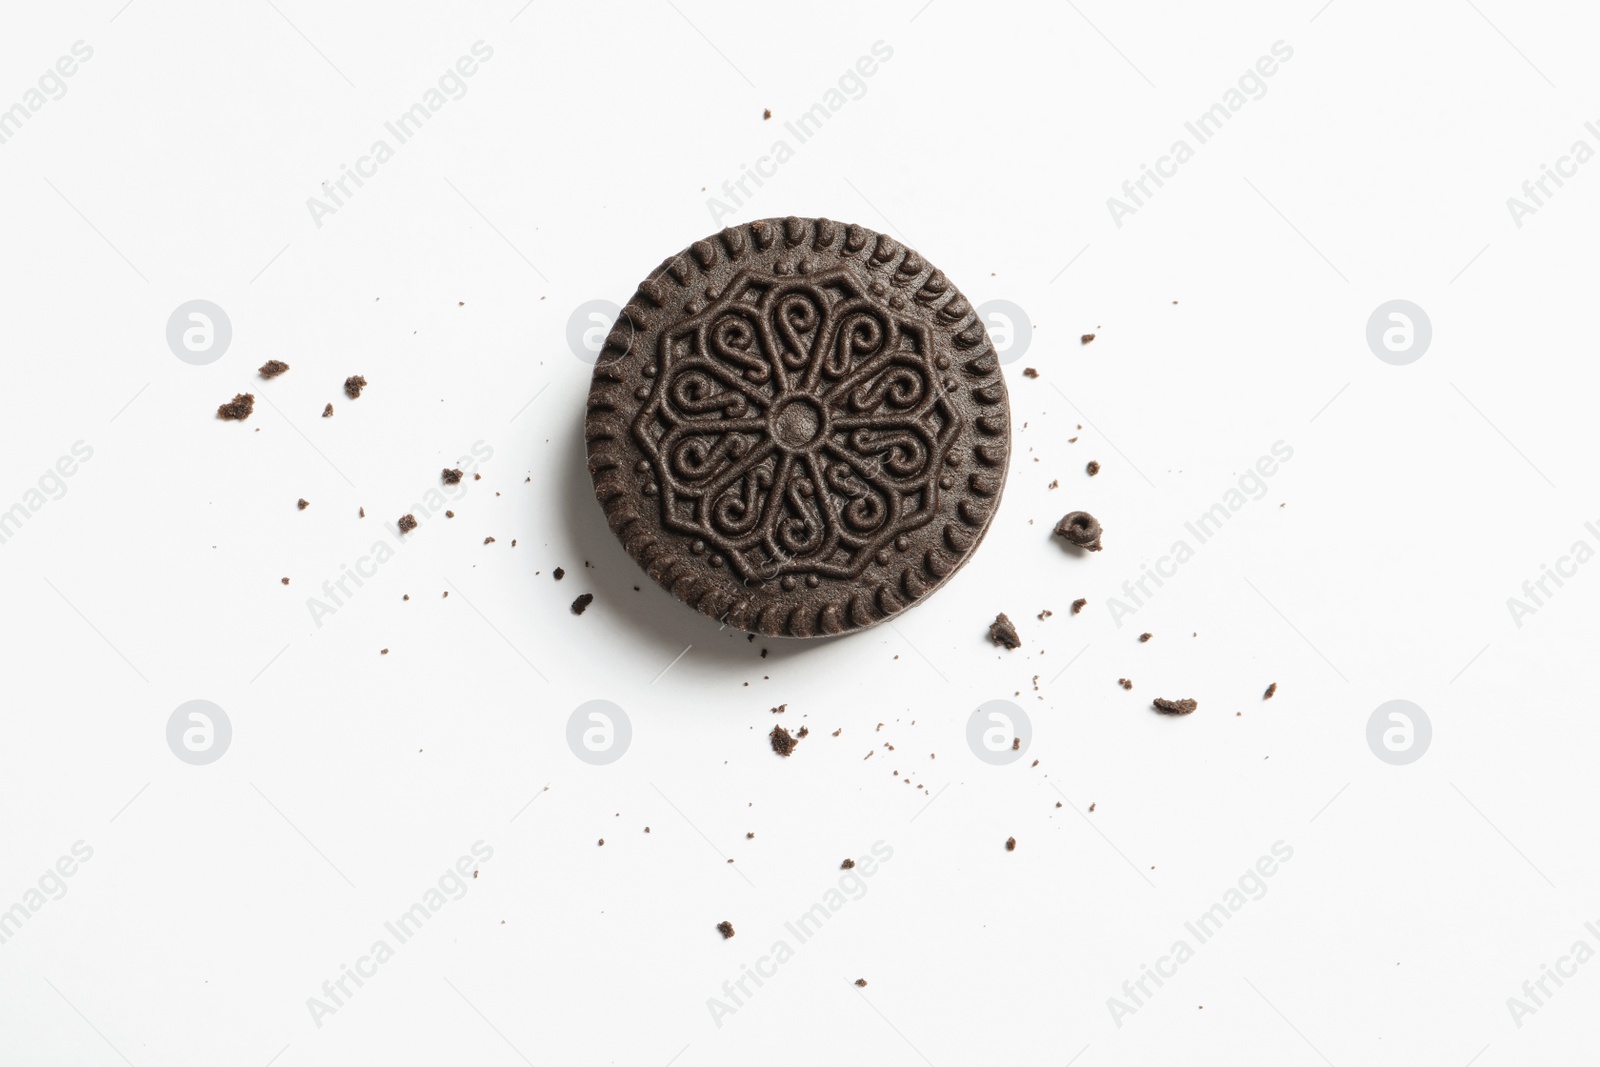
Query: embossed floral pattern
point(796, 427)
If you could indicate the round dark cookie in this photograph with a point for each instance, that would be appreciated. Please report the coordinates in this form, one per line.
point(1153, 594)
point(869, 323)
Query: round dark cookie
point(799, 427)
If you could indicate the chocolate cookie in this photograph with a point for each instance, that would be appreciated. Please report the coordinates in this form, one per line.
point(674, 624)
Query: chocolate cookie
point(799, 427)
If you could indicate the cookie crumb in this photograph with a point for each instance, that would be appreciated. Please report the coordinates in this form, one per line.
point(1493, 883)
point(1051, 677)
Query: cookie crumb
point(558, 574)
point(1080, 528)
point(407, 523)
point(1126, 683)
point(766, 113)
point(782, 743)
point(1001, 632)
point(1145, 637)
point(1078, 605)
point(239, 408)
point(1011, 844)
point(488, 540)
point(272, 368)
point(1271, 689)
point(847, 865)
point(580, 605)
point(1093, 468)
point(302, 504)
point(285, 581)
point(862, 982)
point(327, 411)
point(725, 928)
point(1175, 707)
point(353, 386)
point(1086, 338)
point(1029, 372)
point(451, 475)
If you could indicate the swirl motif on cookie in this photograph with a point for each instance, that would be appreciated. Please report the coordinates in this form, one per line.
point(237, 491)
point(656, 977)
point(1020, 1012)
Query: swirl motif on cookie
point(796, 427)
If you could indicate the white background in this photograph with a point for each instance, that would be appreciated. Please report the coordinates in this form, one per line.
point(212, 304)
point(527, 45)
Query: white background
point(1377, 566)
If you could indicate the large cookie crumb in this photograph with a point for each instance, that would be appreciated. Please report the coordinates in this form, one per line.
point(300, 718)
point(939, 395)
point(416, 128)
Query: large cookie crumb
point(1175, 707)
point(725, 928)
point(782, 743)
point(1001, 632)
point(1080, 528)
point(407, 523)
point(581, 605)
point(353, 386)
point(272, 368)
point(239, 408)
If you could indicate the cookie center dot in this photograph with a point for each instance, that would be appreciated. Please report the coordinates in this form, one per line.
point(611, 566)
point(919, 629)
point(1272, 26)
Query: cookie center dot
point(797, 423)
